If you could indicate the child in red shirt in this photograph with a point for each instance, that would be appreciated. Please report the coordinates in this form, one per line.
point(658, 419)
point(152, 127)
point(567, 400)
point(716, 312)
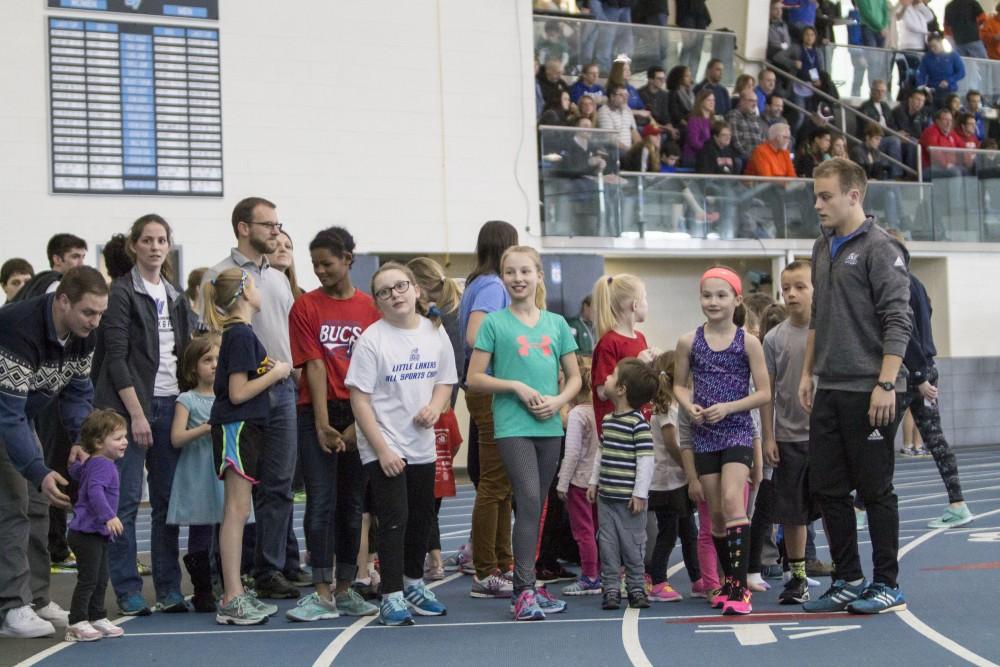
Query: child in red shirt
point(448, 439)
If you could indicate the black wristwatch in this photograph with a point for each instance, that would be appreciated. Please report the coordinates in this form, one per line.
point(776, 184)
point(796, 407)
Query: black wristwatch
point(888, 386)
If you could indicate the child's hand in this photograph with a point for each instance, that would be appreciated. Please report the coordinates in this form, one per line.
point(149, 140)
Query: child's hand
point(562, 495)
point(350, 436)
point(330, 439)
point(771, 454)
point(637, 505)
point(592, 494)
point(114, 526)
point(697, 414)
point(649, 355)
point(527, 395)
point(427, 417)
point(282, 369)
point(695, 492)
point(715, 413)
point(391, 464)
point(544, 408)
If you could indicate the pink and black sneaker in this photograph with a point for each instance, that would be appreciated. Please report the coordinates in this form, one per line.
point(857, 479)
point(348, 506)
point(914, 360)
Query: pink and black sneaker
point(738, 603)
point(719, 599)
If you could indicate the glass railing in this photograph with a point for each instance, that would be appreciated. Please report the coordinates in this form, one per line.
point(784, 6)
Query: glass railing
point(965, 190)
point(578, 42)
point(854, 68)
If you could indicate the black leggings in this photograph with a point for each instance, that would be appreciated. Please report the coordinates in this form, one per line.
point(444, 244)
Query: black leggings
point(404, 508)
point(669, 525)
point(434, 541)
point(91, 576)
point(760, 524)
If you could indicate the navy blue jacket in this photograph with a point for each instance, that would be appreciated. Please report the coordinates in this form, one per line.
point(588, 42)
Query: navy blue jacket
point(35, 368)
point(920, 351)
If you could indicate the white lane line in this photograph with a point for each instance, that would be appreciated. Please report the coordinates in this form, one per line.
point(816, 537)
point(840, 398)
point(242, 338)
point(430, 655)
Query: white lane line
point(330, 653)
point(930, 633)
point(52, 650)
point(630, 629)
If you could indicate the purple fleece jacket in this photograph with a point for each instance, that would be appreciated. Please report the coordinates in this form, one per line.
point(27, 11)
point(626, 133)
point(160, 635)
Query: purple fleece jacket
point(97, 501)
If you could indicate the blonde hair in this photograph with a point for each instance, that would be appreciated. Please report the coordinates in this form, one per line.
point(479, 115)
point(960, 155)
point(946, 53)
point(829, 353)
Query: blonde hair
point(221, 295)
point(583, 396)
point(537, 260)
point(432, 280)
point(98, 426)
point(612, 294)
point(664, 367)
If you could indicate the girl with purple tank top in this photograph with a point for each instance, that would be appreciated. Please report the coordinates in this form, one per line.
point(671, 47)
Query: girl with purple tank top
point(718, 360)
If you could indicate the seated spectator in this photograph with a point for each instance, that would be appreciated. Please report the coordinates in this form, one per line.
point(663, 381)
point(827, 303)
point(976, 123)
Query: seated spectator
point(811, 152)
point(749, 130)
point(940, 71)
point(774, 112)
point(670, 158)
point(587, 85)
point(961, 23)
point(953, 103)
point(772, 158)
point(654, 95)
point(838, 147)
point(989, 33)
point(808, 64)
point(814, 121)
point(940, 135)
point(586, 107)
point(911, 117)
point(680, 95)
point(550, 80)
point(713, 82)
point(621, 72)
point(868, 156)
point(718, 156)
point(876, 108)
point(579, 156)
point(767, 86)
point(15, 274)
point(553, 45)
point(615, 115)
point(556, 111)
point(742, 81)
point(965, 128)
point(699, 126)
point(974, 107)
point(778, 36)
point(644, 155)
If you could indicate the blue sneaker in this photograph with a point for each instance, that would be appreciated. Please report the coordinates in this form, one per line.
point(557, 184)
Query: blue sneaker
point(836, 598)
point(172, 603)
point(547, 602)
point(423, 601)
point(878, 598)
point(393, 610)
point(133, 604)
point(526, 607)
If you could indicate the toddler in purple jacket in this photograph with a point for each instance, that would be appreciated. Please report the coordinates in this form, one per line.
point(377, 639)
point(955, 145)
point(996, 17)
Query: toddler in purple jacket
point(103, 437)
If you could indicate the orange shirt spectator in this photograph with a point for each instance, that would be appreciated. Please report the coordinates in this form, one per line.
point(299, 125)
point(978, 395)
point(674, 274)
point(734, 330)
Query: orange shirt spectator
point(989, 32)
point(772, 158)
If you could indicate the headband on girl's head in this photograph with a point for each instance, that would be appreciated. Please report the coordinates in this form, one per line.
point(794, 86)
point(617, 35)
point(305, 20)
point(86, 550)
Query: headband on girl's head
point(239, 290)
point(723, 273)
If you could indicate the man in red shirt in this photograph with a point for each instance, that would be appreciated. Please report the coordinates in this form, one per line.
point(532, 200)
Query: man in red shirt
point(940, 135)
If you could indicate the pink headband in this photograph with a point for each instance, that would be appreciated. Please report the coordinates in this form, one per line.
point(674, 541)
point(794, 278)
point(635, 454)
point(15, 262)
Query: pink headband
point(724, 274)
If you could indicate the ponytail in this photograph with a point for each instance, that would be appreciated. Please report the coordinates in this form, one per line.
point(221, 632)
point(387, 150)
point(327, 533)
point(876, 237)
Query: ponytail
point(435, 285)
point(740, 315)
point(611, 298)
point(664, 367)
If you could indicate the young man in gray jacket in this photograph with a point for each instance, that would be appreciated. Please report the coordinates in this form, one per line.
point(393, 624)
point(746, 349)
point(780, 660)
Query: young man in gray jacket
point(860, 328)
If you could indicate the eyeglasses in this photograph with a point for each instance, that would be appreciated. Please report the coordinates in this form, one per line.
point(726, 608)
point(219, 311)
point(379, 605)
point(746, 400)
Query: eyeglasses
point(398, 288)
point(271, 226)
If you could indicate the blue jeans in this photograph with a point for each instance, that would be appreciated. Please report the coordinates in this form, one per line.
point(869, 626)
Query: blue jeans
point(607, 41)
point(334, 490)
point(272, 497)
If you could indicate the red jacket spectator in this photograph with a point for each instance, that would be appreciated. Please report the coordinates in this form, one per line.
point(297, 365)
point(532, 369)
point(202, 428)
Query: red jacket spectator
point(940, 134)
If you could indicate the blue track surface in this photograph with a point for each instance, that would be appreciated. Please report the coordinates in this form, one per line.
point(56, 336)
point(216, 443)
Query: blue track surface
point(950, 579)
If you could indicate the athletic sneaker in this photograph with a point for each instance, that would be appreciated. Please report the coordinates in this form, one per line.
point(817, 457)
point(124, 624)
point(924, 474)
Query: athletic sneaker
point(133, 604)
point(718, 599)
point(922, 452)
point(454, 562)
point(547, 602)
point(612, 599)
point(836, 598)
point(312, 608)
point(664, 592)
point(393, 610)
point(526, 607)
point(351, 603)
point(172, 603)
point(905, 451)
point(262, 607)
point(952, 517)
point(878, 598)
point(275, 586)
point(546, 575)
point(738, 603)
point(107, 628)
point(367, 590)
point(240, 611)
point(494, 586)
point(24, 623)
point(422, 601)
point(143, 569)
point(67, 564)
point(299, 577)
point(82, 632)
point(796, 591)
point(699, 589)
point(432, 572)
point(584, 586)
point(771, 571)
point(637, 599)
point(53, 613)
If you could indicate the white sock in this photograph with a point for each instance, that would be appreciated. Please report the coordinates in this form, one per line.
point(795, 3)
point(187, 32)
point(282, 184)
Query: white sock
point(856, 582)
point(407, 582)
point(367, 581)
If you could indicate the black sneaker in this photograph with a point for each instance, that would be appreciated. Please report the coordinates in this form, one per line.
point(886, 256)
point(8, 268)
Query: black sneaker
point(274, 586)
point(637, 599)
point(367, 591)
point(546, 575)
point(796, 591)
point(299, 577)
point(612, 599)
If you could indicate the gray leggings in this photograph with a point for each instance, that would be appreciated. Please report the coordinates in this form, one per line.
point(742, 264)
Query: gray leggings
point(531, 464)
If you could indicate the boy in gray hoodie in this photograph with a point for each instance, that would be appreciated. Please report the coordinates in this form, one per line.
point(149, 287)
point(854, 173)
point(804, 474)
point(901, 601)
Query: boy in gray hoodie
point(860, 328)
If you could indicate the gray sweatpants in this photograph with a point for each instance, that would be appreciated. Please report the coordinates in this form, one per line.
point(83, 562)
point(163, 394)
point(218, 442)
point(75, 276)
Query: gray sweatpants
point(531, 465)
point(24, 531)
point(621, 538)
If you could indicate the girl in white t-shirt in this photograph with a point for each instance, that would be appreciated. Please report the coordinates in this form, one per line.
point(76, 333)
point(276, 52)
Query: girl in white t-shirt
point(401, 374)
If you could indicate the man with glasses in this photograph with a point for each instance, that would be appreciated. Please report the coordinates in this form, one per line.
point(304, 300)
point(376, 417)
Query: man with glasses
point(654, 95)
point(276, 555)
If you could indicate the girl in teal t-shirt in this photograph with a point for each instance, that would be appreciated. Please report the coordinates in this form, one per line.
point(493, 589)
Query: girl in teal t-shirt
point(526, 345)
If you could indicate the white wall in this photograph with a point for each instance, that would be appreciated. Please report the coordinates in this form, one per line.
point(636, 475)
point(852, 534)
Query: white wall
point(408, 122)
point(973, 316)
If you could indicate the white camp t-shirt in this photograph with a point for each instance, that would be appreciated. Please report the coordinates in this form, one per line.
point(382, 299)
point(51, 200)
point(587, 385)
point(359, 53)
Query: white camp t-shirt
point(399, 369)
point(165, 383)
point(667, 474)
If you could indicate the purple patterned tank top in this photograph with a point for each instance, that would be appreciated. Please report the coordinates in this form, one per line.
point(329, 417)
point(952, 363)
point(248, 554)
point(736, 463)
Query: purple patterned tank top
point(721, 377)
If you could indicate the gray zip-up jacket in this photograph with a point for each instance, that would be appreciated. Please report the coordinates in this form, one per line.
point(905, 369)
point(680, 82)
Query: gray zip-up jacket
point(861, 308)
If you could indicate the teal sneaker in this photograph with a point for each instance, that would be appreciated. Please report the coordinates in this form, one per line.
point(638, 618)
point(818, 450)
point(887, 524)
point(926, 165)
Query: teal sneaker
point(263, 607)
point(878, 598)
point(240, 611)
point(351, 603)
point(952, 518)
point(312, 608)
point(423, 602)
point(836, 598)
point(133, 604)
point(172, 603)
point(393, 610)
